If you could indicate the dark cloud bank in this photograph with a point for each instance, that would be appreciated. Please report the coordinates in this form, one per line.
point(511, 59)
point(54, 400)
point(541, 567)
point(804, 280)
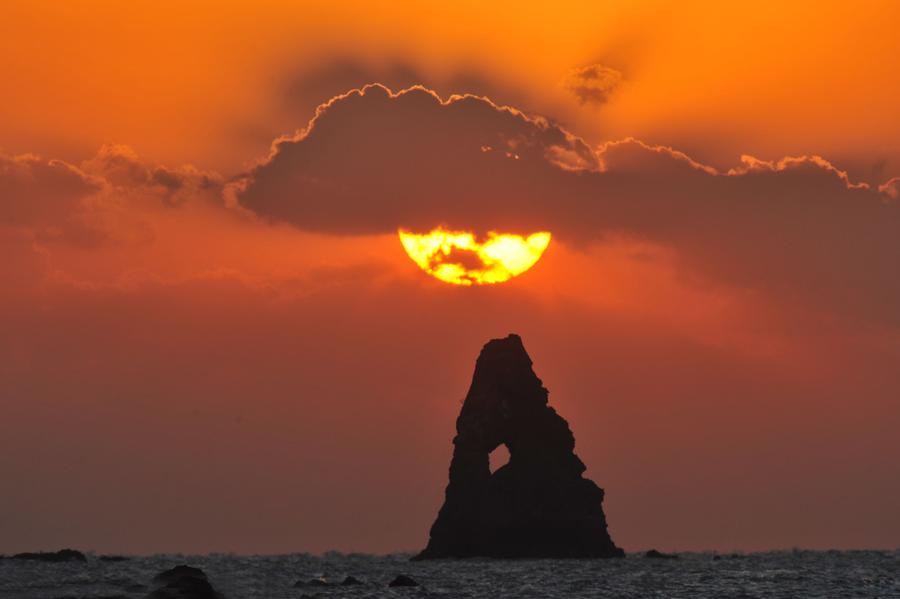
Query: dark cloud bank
point(371, 161)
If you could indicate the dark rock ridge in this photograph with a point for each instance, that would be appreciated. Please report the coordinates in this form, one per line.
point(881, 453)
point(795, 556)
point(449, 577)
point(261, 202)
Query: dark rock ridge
point(654, 554)
point(63, 555)
point(538, 504)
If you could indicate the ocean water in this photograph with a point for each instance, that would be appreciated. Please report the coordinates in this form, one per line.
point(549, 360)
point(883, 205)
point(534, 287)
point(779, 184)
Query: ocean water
point(782, 574)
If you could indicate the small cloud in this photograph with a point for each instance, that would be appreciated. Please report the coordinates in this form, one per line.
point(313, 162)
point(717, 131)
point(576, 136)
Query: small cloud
point(121, 168)
point(891, 188)
point(593, 84)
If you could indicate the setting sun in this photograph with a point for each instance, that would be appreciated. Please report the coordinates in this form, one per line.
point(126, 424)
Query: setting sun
point(458, 257)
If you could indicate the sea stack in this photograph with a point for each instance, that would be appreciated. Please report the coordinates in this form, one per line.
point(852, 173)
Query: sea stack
point(538, 505)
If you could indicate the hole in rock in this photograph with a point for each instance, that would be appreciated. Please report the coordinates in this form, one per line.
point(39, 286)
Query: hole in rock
point(499, 457)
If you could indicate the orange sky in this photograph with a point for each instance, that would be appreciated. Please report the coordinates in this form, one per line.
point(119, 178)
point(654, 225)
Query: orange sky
point(214, 343)
point(213, 83)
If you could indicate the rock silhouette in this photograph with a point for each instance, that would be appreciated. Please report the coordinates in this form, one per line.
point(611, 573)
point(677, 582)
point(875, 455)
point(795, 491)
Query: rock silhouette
point(538, 504)
point(402, 580)
point(183, 582)
point(63, 555)
point(654, 554)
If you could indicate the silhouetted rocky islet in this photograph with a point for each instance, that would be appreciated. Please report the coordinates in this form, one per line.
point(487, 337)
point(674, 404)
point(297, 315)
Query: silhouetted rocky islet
point(183, 582)
point(63, 555)
point(537, 505)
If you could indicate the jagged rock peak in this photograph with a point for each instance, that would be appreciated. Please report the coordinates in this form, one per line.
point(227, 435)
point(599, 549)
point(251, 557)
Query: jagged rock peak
point(537, 505)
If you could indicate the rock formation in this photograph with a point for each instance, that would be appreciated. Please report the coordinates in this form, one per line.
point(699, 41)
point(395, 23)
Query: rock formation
point(63, 555)
point(654, 554)
point(538, 504)
point(183, 582)
point(402, 580)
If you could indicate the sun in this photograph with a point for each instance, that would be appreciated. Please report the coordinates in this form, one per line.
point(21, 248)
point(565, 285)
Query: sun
point(458, 257)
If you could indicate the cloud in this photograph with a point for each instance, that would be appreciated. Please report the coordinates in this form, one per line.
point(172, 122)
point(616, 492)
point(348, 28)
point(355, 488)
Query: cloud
point(593, 84)
point(372, 161)
point(303, 88)
point(121, 168)
point(33, 189)
point(49, 199)
point(891, 188)
point(97, 202)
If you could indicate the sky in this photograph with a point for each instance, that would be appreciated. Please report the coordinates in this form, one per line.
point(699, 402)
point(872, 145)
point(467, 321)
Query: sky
point(212, 339)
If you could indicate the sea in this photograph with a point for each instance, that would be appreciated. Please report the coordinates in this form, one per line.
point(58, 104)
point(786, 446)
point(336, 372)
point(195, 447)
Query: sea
point(793, 574)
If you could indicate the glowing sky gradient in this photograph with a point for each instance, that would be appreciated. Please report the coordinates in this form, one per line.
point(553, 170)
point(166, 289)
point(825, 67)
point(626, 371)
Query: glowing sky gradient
point(211, 338)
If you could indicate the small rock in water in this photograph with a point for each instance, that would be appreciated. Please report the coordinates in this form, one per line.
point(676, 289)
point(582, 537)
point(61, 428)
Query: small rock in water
point(351, 580)
point(179, 573)
point(63, 555)
point(403, 581)
point(113, 558)
point(183, 582)
point(654, 554)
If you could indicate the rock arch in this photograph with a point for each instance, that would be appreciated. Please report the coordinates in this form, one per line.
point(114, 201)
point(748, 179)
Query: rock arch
point(536, 505)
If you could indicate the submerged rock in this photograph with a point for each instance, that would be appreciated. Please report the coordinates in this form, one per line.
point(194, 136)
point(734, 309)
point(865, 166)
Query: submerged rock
point(63, 555)
point(403, 580)
point(312, 582)
point(351, 580)
point(537, 505)
point(183, 582)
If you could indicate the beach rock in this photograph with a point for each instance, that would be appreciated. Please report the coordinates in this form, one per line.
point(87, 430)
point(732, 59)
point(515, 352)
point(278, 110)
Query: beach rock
point(538, 505)
point(654, 554)
point(63, 555)
point(351, 580)
point(403, 580)
point(183, 582)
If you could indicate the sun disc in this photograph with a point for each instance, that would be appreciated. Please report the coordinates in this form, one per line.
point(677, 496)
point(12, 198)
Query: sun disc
point(457, 257)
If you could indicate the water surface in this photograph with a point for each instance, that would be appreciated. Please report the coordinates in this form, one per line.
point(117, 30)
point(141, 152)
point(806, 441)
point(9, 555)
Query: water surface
point(783, 574)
